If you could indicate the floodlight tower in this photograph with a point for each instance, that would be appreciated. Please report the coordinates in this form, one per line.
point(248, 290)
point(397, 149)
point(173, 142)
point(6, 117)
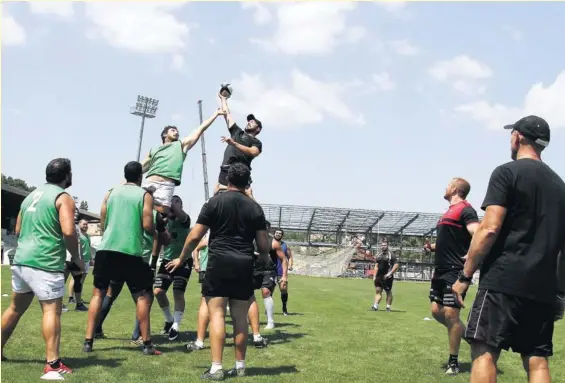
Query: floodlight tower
point(204, 165)
point(145, 108)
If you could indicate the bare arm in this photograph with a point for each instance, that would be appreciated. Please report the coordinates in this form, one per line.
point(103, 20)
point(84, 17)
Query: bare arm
point(262, 241)
point(66, 207)
point(282, 258)
point(484, 238)
point(188, 142)
point(472, 228)
point(290, 258)
point(147, 218)
point(228, 117)
point(103, 211)
point(193, 239)
point(376, 270)
point(19, 224)
point(145, 164)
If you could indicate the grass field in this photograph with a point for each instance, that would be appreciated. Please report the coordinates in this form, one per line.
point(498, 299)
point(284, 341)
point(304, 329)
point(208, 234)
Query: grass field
point(331, 337)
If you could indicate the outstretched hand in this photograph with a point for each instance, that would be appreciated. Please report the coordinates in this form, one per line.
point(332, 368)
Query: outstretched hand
point(227, 140)
point(173, 265)
point(221, 112)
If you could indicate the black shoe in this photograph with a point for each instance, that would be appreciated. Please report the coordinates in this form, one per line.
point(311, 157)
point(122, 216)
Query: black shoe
point(71, 301)
point(452, 369)
point(81, 307)
point(260, 343)
point(373, 308)
point(388, 309)
point(236, 373)
point(218, 375)
point(167, 328)
point(150, 350)
point(173, 334)
point(87, 347)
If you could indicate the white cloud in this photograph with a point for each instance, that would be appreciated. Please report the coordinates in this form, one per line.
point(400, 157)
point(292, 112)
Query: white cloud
point(178, 61)
point(404, 48)
point(62, 9)
point(546, 102)
point(392, 6)
point(311, 28)
point(306, 101)
point(140, 27)
point(463, 73)
point(12, 32)
point(383, 81)
point(262, 15)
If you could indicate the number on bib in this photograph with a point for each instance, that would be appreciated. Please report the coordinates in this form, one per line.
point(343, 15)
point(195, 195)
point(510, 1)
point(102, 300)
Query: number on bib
point(36, 199)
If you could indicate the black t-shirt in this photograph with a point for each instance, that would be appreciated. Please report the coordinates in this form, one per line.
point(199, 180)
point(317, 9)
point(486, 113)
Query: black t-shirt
point(385, 261)
point(233, 219)
point(523, 260)
point(453, 238)
point(233, 154)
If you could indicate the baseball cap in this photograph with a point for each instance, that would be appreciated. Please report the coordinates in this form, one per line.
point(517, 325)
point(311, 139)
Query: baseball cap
point(252, 117)
point(533, 127)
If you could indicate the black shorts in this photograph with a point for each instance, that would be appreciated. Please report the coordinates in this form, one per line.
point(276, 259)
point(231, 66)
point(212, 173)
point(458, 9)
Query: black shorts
point(385, 284)
point(201, 276)
point(440, 290)
point(265, 280)
point(179, 278)
point(505, 321)
point(223, 177)
point(229, 277)
point(112, 266)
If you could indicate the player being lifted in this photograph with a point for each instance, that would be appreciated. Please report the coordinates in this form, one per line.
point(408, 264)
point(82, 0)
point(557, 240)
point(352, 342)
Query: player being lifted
point(243, 146)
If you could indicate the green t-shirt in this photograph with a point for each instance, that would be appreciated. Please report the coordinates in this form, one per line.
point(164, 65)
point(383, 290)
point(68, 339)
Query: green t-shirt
point(123, 231)
point(178, 232)
point(167, 161)
point(41, 244)
point(203, 258)
point(85, 246)
point(148, 241)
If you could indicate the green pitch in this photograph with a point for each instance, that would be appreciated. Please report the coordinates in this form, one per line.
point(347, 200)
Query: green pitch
point(332, 337)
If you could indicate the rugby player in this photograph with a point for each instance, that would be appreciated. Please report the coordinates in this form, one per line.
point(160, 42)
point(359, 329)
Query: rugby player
point(454, 232)
point(75, 290)
point(243, 146)
point(385, 266)
point(178, 226)
point(278, 236)
point(235, 221)
point(46, 230)
point(126, 214)
point(520, 248)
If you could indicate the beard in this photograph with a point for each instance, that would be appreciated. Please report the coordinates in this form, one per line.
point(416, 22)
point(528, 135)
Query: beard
point(68, 183)
point(513, 154)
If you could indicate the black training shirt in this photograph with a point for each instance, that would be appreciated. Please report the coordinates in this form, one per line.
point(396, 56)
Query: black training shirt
point(385, 262)
point(233, 154)
point(523, 260)
point(453, 238)
point(233, 219)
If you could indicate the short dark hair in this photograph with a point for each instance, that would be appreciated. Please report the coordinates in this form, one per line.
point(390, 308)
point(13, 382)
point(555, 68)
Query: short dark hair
point(166, 130)
point(132, 171)
point(281, 230)
point(57, 170)
point(463, 187)
point(238, 175)
point(176, 196)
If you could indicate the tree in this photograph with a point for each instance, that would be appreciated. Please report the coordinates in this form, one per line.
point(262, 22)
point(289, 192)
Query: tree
point(83, 205)
point(17, 183)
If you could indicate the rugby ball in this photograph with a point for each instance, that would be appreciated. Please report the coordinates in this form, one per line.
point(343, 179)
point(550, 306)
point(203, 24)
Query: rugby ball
point(226, 90)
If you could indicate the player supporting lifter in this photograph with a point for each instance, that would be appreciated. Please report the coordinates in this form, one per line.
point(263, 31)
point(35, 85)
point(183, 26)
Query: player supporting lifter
point(178, 226)
point(385, 267)
point(454, 232)
point(243, 147)
point(278, 236)
point(46, 227)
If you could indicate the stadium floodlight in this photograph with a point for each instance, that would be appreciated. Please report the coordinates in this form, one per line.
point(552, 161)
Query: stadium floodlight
point(145, 107)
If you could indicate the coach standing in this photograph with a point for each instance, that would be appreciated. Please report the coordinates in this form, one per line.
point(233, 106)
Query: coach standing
point(520, 295)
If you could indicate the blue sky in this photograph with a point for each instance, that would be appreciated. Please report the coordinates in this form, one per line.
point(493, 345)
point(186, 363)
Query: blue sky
point(364, 105)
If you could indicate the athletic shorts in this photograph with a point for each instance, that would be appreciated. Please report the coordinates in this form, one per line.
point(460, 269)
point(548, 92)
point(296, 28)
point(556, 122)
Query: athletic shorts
point(385, 284)
point(229, 277)
point(440, 290)
point(201, 276)
point(504, 321)
point(223, 177)
point(179, 278)
point(44, 285)
point(164, 191)
point(265, 280)
point(112, 266)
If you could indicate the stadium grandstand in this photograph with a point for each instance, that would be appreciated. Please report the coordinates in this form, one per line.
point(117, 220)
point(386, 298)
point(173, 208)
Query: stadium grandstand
point(12, 198)
point(338, 242)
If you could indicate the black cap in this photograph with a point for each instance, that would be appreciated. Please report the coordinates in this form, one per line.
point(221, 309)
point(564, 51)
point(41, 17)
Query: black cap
point(533, 127)
point(252, 117)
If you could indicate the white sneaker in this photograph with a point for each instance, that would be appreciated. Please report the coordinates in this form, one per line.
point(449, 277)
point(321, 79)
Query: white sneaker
point(270, 326)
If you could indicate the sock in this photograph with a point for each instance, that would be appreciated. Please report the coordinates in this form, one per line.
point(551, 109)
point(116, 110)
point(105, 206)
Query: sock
point(147, 343)
point(270, 308)
point(453, 359)
point(168, 316)
point(239, 364)
point(284, 299)
point(199, 343)
point(257, 338)
point(215, 367)
point(177, 318)
point(388, 306)
point(376, 305)
point(55, 363)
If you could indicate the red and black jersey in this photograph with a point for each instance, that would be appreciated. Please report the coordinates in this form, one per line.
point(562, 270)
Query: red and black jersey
point(453, 238)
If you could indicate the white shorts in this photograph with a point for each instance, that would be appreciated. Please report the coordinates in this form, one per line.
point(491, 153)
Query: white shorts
point(164, 191)
point(45, 285)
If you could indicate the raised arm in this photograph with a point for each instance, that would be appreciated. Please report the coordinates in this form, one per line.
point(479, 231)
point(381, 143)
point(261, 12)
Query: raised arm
point(188, 142)
point(228, 117)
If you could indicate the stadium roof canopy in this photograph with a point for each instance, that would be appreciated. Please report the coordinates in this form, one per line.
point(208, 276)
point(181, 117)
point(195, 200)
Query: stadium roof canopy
point(18, 196)
point(334, 220)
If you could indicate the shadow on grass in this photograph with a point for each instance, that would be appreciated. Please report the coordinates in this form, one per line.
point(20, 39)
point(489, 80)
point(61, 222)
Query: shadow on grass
point(391, 311)
point(465, 368)
point(85, 361)
point(279, 337)
point(270, 371)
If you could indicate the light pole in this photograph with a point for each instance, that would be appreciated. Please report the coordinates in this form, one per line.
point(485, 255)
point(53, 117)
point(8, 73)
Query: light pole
point(204, 165)
point(146, 108)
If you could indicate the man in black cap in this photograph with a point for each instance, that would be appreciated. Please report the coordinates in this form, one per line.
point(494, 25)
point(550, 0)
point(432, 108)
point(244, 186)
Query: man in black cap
point(519, 245)
point(243, 146)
